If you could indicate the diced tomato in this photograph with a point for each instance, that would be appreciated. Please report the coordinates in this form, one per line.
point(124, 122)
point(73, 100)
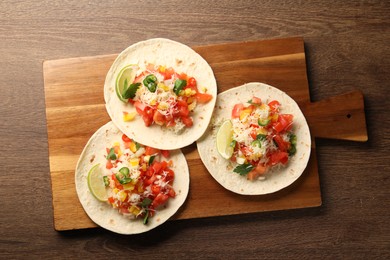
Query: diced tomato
point(187, 121)
point(191, 82)
point(274, 105)
point(256, 172)
point(183, 76)
point(111, 200)
point(147, 120)
point(203, 97)
point(183, 111)
point(150, 67)
point(150, 150)
point(254, 134)
point(165, 153)
point(109, 164)
point(156, 189)
point(171, 193)
point(125, 138)
point(284, 123)
point(158, 118)
point(282, 145)
point(170, 175)
point(237, 110)
point(278, 157)
point(140, 107)
point(168, 73)
point(160, 200)
point(150, 180)
point(156, 166)
point(256, 100)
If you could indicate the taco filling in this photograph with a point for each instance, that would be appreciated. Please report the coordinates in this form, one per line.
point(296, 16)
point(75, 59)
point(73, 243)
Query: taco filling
point(261, 137)
point(160, 96)
point(138, 179)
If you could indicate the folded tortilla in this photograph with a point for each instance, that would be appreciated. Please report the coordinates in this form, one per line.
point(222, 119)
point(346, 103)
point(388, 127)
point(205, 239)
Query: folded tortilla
point(222, 169)
point(167, 53)
point(102, 213)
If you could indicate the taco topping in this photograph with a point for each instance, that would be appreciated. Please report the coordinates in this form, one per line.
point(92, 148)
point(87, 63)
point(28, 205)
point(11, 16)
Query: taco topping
point(261, 137)
point(138, 179)
point(160, 95)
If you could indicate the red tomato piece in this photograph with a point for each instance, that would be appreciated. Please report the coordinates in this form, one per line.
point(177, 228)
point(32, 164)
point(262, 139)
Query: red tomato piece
point(109, 164)
point(282, 145)
point(237, 110)
point(160, 200)
point(191, 82)
point(278, 157)
point(187, 121)
point(125, 138)
point(274, 105)
point(203, 97)
point(150, 150)
point(171, 193)
point(170, 175)
point(256, 100)
point(158, 118)
point(256, 172)
point(165, 153)
point(156, 189)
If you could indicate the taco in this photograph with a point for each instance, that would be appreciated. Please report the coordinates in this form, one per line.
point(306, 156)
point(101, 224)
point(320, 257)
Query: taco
point(258, 141)
point(160, 93)
point(127, 187)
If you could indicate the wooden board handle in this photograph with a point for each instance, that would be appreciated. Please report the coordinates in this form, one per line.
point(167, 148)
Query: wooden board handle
point(339, 117)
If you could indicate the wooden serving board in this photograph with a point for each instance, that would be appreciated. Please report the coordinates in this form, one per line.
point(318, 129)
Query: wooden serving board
point(75, 110)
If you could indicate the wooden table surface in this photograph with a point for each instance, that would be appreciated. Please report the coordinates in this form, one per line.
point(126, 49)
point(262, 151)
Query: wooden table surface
point(347, 48)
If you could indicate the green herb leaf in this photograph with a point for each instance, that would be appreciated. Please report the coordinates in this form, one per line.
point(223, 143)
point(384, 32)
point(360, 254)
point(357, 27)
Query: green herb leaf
point(137, 146)
point(233, 143)
point(111, 154)
point(243, 169)
point(150, 82)
point(146, 218)
point(146, 202)
point(131, 90)
point(179, 85)
point(293, 147)
point(151, 159)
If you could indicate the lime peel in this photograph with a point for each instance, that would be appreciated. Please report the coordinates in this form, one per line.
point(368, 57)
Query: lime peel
point(224, 139)
point(96, 183)
point(124, 79)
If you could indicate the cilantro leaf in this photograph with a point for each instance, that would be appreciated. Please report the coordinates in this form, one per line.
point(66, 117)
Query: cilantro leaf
point(243, 169)
point(131, 90)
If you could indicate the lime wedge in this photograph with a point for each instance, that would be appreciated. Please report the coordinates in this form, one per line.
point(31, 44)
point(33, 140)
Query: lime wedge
point(125, 77)
point(96, 183)
point(224, 139)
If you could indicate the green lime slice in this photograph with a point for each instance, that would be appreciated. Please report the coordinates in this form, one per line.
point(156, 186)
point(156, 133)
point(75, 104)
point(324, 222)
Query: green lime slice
point(96, 183)
point(224, 139)
point(125, 77)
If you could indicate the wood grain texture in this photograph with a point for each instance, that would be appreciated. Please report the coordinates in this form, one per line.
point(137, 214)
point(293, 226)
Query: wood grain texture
point(70, 120)
point(346, 47)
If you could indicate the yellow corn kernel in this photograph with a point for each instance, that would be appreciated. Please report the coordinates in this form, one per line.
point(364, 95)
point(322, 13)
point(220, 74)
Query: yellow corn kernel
point(132, 147)
point(204, 89)
point(153, 102)
point(190, 100)
point(263, 106)
point(262, 131)
point(144, 167)
point(115, 190)
point(134, 181)
point(122, 195)
point(163, 105)
point(134, 210)
point(161, 68)
point(244, 114)
point(192, 106)
point(134, 162)
point(116, 144)
point(128, 186)
point(163, 87)
point(129, 116)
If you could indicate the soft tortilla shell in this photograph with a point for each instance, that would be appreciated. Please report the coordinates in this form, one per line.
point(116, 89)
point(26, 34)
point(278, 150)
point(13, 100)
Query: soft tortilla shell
point(102, 213)
point(168, 53)
point(222, 170)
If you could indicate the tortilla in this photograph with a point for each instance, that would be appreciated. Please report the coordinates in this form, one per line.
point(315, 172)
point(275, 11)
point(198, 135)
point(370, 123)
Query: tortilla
point(222, 169)
point(167, 53)
point(102, 213)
